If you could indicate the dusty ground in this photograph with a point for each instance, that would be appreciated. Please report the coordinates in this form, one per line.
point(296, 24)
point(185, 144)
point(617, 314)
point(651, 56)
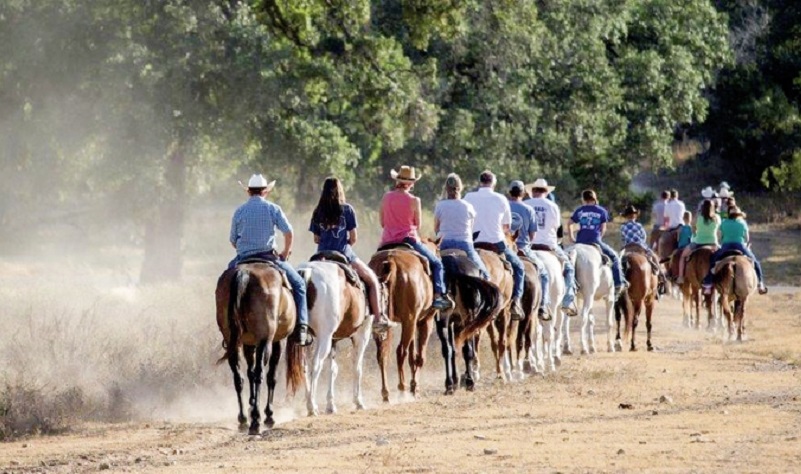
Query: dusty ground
point(728, 408)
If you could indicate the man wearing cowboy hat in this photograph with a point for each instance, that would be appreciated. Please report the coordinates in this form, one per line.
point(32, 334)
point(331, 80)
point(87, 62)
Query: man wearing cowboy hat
point(549, 218)
point(493, 221)
point(633, 233)
point(400, 215)
point(253, 235)
point(707, 194)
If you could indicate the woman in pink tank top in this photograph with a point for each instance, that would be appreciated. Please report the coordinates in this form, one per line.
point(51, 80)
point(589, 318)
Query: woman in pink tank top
point(400, 218)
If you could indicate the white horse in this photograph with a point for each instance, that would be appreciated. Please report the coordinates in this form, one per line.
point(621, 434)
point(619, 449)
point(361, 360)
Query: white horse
point(337, 311)
point(548, 335)
point(594, 283)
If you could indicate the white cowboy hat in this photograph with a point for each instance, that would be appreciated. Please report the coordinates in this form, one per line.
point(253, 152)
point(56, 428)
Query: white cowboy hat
point(725, 193)
point(724, 184)
point(541, 184)
point(708, 192)
point(405, 173)
point(259, 181)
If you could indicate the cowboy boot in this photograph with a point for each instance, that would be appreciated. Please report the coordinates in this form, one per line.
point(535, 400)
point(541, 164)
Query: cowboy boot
point(301, 335)
point(516, 310)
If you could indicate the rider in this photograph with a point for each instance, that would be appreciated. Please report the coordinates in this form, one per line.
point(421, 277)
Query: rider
point(632, 232)
point(549, 219)
point(400, 216)
point(707, 193)
point(453, 222)
point(658, 211)
point(674, 212)
point(734, 236)
point(525, 221)
point(253, 236)
point(706, 233)
point(493, 221)
point(592, 220)
point(333, 224)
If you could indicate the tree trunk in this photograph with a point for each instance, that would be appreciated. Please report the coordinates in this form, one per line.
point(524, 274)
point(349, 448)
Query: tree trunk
point(164, 229)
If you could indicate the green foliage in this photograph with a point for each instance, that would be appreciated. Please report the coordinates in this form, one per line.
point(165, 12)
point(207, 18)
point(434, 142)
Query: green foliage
point(786, 176)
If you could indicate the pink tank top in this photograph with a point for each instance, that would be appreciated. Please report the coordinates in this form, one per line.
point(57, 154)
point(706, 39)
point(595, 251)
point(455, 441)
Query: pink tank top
point(398, 217)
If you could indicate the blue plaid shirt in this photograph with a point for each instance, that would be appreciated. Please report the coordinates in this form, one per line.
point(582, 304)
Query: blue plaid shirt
point(253, 226)
point(632, 232)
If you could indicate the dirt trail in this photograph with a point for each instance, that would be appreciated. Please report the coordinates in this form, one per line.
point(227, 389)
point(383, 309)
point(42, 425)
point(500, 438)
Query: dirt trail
point(724, 408)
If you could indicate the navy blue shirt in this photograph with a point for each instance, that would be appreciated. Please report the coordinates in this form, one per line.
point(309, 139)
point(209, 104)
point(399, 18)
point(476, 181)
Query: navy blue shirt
point(590, 218)
point(336, 237)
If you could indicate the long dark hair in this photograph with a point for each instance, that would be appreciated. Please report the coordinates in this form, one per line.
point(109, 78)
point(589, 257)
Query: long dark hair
point(708, 211)
point(329, 209)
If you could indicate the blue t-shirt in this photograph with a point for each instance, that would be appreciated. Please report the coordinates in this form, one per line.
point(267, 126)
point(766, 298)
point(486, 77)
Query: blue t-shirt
point(336, 237)
point(685, 236)
point(524, 220)
point(590, 218)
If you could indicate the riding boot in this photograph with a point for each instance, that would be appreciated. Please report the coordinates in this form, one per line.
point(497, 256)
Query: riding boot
point(544, 314)
point(301, 335)
point(762, 288)
point(516, 310)
point(382, 324)
point(442, 302)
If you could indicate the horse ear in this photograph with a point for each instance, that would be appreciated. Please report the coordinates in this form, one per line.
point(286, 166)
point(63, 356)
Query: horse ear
point(515, 235)
point(437, 240)
point(475, 234)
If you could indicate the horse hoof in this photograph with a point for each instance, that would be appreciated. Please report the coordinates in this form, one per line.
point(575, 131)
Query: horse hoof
point(314, 412)
point(449, 391)
point(270, 423)
point(470, 386)
point(633, 349)
point(584, 352)
point(243, 427)
point(253, 430)
point(557, 361)
point(567, 352)
point(650, 348)
point(332, 410)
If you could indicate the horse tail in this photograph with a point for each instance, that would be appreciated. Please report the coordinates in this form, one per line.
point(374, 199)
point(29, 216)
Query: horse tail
point(294, 366)
point(624, 307)
point(387, 277)
point(236, 292)
point(485, 299)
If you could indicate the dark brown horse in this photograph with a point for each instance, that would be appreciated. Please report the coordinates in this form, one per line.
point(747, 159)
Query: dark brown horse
point(640, 294)
point(255, 311)
point(409, 293)
point(736, 280)
point(695, 270)
point(527, 327)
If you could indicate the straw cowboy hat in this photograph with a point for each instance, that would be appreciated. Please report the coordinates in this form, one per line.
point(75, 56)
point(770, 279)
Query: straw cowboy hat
point(405, 173)
point(725, 193)
point(708, 192)
point(258, 181)
point(541, 184)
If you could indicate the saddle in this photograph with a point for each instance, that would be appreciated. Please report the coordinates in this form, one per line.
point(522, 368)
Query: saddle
point(637, 248)
point(724, 257)
point(528, 259)
point(541, 247)
point(494, 248)
point(706, 246)
point(270, 259)
point(605, 261)
point(395, 246)
point(340, 260)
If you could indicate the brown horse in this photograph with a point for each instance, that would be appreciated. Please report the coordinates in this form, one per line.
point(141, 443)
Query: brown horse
point(255, 311)
point(408, 292)
point(528, 326)
point(695, 270)
point(736, 280)
point(640, 293)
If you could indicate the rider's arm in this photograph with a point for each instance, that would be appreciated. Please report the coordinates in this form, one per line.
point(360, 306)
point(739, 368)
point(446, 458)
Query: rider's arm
point(287, 245)
point(352, 236)
point(603, 229)
point(570, 231)
point(417, 212)
point(436, 225)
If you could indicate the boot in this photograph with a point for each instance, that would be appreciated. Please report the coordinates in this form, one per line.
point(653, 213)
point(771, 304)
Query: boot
point(301, 335)
point(517, 310)
point(762, 288)
point(544, 314)
point(382, 324)
point(442, 302)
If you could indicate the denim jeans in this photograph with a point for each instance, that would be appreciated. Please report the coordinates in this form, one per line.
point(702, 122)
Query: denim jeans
point(545, 279)
point(295, 281)
point(468, 248)
point(617, 271)
point(732, 246)
point(437, 272)
point(517, 267)
point(569, 274)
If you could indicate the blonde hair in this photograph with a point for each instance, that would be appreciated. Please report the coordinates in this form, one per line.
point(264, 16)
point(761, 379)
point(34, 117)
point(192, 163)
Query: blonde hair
point(453, 187)
point(688, 216)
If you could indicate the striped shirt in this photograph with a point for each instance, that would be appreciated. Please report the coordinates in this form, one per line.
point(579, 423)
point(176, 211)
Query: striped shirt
point(253, 226)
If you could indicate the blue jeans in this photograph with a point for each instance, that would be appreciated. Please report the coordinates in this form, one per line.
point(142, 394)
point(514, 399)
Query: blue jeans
point(437, 272)
point(468, 248)
point(295, 280)
point(545, 279)
point(732, 246)
point(518, 271)
point(617, 271)
point(569, 274)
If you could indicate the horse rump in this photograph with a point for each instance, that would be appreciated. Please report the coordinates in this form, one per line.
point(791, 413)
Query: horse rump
point(482, 299)
point(237, 287)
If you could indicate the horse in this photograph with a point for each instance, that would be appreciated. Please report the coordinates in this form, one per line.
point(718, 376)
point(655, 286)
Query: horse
point(337, 311)
point(528, 326)
point(695, 270)
point(594, 283)
point(476, 304)
point(736, 280)
point(408, 294)
point(667, 245)
point(640, 293)
point(548, 334)
point(255, 311)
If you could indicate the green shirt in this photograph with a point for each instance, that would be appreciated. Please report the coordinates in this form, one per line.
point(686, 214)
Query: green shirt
point(734, 231)
point(706, 233)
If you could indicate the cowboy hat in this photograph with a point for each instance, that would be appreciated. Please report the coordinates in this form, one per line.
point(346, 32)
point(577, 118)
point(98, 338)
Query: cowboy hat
point(725, 193)
point(541, 184)
point(708, 192)
point(258, 181)
point(630, 210)
point(724, 184)
point(405, 173)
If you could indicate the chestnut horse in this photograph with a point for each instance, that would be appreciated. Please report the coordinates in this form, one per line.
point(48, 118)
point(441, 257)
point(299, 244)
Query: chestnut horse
point(337, 311)
point(640, 294)
point(695, 270)
point(528, 328)
point(477, 303)
point(408, 293)
point(255, 311)
point(736, 280)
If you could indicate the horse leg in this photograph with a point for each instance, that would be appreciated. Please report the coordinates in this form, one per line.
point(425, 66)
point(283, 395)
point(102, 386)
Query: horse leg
point(505, 338)
point(495, 346)
point(475, 368)
point(649, 311)
point(739, 319)
point(469, 360)
point(585, 322)
point(402, 352)
point(333, 371)
point(382, 354)
point(635, 320)
point(446, 342)
point(423, 334)
point(233, 362)
point(451, 333)
point(565, 348)
point(360, 342)
point(321, 352)
point(610, 325)
point(275, 357)
point(255, 371)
